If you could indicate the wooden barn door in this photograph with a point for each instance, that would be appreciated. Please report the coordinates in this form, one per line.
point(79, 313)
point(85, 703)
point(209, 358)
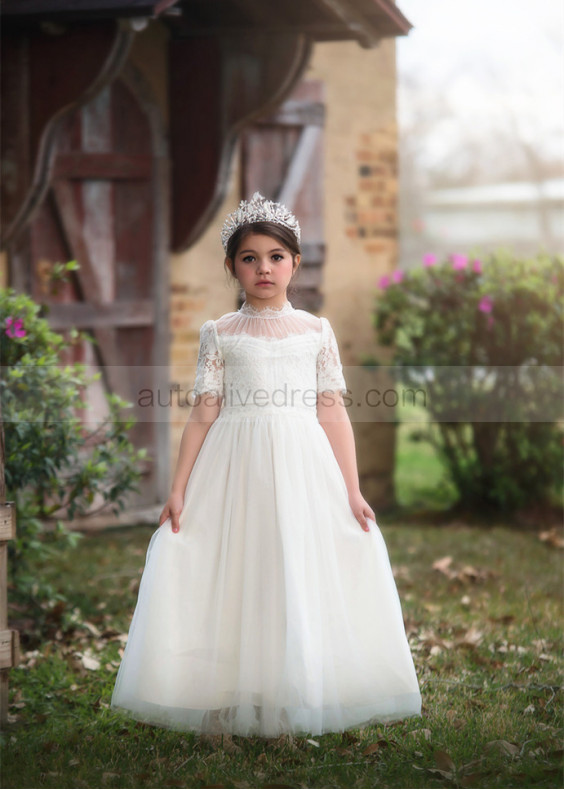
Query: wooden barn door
point(282, 157)
point(105, 208)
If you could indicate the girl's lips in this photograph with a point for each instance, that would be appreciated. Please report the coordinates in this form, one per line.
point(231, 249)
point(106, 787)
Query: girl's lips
point(264, 282)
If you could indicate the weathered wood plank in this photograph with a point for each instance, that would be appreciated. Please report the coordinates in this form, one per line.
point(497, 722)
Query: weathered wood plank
point(297, 113)
point(112, 359)
point(299, 166)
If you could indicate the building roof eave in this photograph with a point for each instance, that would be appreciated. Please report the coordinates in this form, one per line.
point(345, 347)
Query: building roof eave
point(366, 21)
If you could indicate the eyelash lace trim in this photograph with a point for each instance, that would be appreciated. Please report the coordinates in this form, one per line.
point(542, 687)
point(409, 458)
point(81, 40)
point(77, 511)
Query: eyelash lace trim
point(266, 312)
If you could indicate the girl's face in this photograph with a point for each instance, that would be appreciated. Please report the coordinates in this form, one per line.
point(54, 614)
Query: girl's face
point(263, 267)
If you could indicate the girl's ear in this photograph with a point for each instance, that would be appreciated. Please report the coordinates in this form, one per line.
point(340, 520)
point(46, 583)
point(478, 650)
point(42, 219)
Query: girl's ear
point(229, 264)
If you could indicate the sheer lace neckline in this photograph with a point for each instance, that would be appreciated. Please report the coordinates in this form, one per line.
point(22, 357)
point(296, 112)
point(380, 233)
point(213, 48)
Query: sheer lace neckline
point(266, 312)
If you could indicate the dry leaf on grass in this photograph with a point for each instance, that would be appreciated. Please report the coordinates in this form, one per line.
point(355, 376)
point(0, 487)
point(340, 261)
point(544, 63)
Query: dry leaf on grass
point(88, 661)
point(552, 537)
point(468, 573)
point(442, 565)
point(444, 761)
point(505, 747)
point(471, 638)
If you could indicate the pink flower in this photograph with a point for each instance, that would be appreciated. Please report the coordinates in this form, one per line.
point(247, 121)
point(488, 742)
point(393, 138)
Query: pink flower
point(459, 261)
point(384, 282)
point(14, 327)
point(477, 266)
point(429, 259)
point(486, 304)
point(397, 276)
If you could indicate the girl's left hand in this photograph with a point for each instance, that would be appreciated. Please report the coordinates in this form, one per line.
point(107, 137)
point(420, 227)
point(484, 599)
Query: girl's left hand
point(361, 510)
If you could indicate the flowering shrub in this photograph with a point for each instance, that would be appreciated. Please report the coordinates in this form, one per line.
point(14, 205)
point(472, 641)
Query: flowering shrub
point(473, 332)
point(53, 465)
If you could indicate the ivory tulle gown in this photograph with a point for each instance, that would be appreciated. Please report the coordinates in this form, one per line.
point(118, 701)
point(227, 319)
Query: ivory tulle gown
point(271, 611)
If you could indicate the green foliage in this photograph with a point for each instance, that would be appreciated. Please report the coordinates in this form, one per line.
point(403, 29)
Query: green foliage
point(54, 465)
point(482, 343)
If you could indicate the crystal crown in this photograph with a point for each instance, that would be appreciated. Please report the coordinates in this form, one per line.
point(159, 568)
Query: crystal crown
point(258, 209)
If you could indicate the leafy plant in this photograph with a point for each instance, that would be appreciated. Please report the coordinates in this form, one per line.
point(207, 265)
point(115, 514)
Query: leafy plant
point(54, 465)
point(482, 342)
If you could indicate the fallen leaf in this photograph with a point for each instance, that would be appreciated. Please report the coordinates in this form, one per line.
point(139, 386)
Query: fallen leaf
point(444, 761)
point(552, 537)
point(91, 627)
point(313, 743)
point(505, 747)
point(471, 638)
point(442, 565)
point(88, 661)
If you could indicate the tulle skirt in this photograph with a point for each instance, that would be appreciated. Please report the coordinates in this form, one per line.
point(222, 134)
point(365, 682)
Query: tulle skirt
point(271, 611)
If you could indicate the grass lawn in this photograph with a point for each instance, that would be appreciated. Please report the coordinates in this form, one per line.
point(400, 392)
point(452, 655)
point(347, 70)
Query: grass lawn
point(421, 480)
point(484, 626)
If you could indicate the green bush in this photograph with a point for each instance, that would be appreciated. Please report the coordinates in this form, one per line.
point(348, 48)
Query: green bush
point(54, 465)
point(483, 339)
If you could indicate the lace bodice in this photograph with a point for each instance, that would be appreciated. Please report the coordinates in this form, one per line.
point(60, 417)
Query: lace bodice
point(269, 359)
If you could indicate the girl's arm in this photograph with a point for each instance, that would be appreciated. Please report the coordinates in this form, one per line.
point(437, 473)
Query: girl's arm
point(334, 419)
point(204, 412)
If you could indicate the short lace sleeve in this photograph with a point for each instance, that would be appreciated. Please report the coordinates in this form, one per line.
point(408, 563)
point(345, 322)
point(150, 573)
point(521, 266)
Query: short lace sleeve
point(210, 366)
point(329, 369)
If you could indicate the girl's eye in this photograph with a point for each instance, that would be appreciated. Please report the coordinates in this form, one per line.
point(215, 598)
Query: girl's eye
point(277, 256)
point(248, 258)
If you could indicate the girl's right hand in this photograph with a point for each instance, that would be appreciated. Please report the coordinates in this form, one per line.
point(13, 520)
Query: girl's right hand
point(172, 510)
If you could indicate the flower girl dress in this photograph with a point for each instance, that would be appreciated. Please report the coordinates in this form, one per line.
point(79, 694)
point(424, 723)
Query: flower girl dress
point(271, 611)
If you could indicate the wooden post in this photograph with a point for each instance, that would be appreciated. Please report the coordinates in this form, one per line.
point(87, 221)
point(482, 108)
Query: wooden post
point(9, 640)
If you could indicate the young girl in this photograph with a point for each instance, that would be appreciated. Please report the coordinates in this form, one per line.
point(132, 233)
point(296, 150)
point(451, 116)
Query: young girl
point(267, 604)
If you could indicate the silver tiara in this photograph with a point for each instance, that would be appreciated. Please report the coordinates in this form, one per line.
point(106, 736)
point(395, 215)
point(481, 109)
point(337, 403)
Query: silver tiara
point(258, 209)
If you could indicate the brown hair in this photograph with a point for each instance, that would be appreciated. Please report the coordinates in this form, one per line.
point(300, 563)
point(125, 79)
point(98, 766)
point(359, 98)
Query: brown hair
point(285, 236)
